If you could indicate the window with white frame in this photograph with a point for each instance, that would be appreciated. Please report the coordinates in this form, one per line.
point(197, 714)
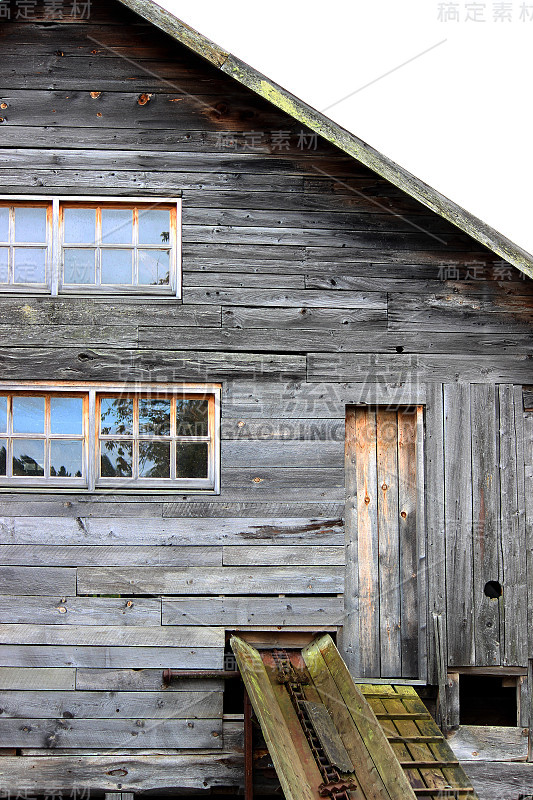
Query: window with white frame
point(91, 245)
point(110, 437)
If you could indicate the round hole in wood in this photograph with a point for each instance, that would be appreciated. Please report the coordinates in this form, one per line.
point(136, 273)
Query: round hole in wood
point(493, 589)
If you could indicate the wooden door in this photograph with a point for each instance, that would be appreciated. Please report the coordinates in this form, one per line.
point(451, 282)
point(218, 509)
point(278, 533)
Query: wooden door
point(384, 633)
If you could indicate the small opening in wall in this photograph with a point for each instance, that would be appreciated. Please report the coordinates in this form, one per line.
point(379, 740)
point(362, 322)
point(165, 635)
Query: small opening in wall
point(493, 589)
point(486, 700)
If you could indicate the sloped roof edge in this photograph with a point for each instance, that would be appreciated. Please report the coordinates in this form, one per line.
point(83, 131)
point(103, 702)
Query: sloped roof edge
point(334, 133)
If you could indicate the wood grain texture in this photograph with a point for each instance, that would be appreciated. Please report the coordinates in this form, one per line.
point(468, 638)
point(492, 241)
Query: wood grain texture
point(84, 556)
point(244, 611)
point(111, 636)
point(76, 611)
point(38, 580)
point(409, 487)
point(99, 657)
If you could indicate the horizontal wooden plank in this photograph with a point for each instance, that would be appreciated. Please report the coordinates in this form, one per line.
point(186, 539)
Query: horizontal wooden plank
point(41, 678)
point(111, 657)
point(92, 312)
point(458, 312)
point(271, 555)
point(196, 580)
point(140, 680)
point(237, 454)
point(424, 368)
point(489, 743)
point(111, 636)
point(89, 556)
point(111, 733)
point(38, 580)
point(108, 364)
point(172, 530)
point(47, 773)
point(242, 280)
point(279, 298)
point(56, 610)
point(284, 429)
point(244, 611)
point(111, 705)
point(497, 780)
point(67, 335)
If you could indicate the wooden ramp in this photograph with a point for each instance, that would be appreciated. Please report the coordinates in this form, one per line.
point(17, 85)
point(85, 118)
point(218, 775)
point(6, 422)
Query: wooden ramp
point(328, 737)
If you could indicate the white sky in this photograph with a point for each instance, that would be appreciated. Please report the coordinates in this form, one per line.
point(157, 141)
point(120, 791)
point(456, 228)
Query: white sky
point(458, 117)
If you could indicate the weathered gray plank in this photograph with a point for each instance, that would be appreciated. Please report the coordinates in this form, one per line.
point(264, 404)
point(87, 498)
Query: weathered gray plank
point(451, 311)
point(494, 780)
point(56, 610)
point(459, 544)
point(111, 733)
point(283, 429)
point(244, 611)
point(140, 680)
point(45, 774)
point(37, 580)
point(488, 743)
point(111, 705)
point(197, 580)
point(422, 367)
point(435, 522)
point(111, 657)
point(174, 529)
point(513, 538)
point(271, 555)
point(89, 556)
point(111, 636)
point(349, 640)
point(485, 516)
point(234, 455)
point(286, 298)
point(61, 679)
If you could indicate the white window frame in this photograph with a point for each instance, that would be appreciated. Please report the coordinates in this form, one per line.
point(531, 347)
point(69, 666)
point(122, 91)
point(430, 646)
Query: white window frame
point(91, 391)
point(54, 267)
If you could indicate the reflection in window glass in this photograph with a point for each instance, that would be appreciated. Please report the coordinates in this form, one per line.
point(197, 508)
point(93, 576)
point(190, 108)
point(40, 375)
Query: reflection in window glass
point(154, 226)
point(154, 459)
point(79, 266)
point(3, 456)
point(192, 417)
point(191, 460)
point(66, 459)
point(80, 225)
point(154, 417)
point(154, 267)
point(4, 225)
point(117, 226)
point(28, 457)
point(4, 264)
point(3, 414)
point(28, 414)
point(116, 459)
point(116, 416)
point(66, 415)
point(30, 225)
point(29, 265)
point(117, 266)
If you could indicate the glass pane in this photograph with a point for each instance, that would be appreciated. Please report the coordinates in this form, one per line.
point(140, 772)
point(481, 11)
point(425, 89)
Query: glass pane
point(28, 458)
point(116, 415)
point(191, 460)
point(30, 224)
point(66, 415)
point(154, 267)
point(116, 266)
point(30, 265)
point(28, 414)
point(79, 225)
point(116, 459)
point(154, 460)
point(4, 265)
point(117, 226)
point(4, 224)
point(79, 266)
point(192, 417)
point(154, 417)
point(154, 226)
point(3, 414)
point(66, 459)
point(3, 456)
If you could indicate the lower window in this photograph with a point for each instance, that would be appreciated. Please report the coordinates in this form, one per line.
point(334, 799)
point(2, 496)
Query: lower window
point(110, 437)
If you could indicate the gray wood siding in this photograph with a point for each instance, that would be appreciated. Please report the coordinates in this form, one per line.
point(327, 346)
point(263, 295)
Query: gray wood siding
point(309, 284)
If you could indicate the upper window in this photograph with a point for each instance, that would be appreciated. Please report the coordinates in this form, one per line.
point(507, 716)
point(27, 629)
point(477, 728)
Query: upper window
point(74, 245)
point(110, 437)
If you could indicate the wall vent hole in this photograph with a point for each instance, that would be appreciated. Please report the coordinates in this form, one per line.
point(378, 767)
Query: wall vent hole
point(493, 589)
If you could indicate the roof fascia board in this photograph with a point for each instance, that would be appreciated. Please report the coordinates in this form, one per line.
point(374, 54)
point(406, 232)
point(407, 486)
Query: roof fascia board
point(334, 133)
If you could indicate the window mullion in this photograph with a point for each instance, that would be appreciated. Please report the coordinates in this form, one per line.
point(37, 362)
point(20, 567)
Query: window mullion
point(92, 444)
point(135, 442)
point(9, 453)
point(11, 254)
point(98, 246)
point(47, 433)
point(54, 250)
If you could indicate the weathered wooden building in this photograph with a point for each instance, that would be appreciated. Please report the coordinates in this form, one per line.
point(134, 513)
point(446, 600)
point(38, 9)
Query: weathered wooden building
point(255, 378)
